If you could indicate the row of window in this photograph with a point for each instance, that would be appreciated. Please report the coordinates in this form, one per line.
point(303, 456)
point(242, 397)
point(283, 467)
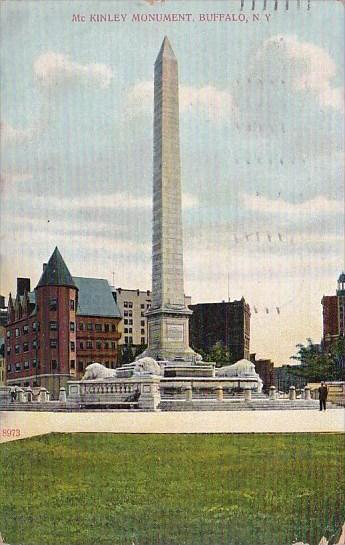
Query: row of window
point(53, 304)
point(26, 365)
point(90, 326)
point(24, 347)
point(129, 304)
point(17, 332)
point(53, 325)
point(129, 340)
point(89, 344)
point(130, 322)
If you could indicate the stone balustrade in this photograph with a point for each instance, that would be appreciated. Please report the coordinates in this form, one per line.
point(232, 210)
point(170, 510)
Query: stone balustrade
point(141, 390)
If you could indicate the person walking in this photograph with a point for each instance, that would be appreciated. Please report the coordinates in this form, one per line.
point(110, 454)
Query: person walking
point(323, 392)
point(13, 393)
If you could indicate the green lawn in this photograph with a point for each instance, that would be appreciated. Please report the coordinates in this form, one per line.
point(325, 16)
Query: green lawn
point(95, 489)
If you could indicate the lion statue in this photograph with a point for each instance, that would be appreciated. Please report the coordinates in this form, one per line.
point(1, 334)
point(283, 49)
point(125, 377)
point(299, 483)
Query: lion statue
point(96, 371)
point(147, 366)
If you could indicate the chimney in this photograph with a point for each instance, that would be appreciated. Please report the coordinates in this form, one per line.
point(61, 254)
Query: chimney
point(23, 284)
point(44, 266)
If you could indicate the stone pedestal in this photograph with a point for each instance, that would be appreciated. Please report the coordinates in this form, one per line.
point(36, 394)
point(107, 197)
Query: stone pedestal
point(307, 395)
point(247, 394)
point(272, 392)
point(29, 394)
point(149, 394)
point(188, 393)
point(292, 393)
point(62, 395)
point(21, 395)
point(42, 395)
point(219, 393)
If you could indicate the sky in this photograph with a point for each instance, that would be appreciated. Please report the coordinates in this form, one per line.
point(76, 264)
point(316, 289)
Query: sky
point(261, 127)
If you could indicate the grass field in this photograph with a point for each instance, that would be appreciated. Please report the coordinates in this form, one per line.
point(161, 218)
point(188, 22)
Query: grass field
point(95, 489)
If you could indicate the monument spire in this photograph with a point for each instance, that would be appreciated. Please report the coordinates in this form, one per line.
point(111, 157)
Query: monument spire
point(168, 329)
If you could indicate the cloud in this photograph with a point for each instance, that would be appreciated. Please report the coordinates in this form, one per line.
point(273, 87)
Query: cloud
point(208, 101)
point(12, 135)
point(314, 207)
point(55, 69)
point(296, 66)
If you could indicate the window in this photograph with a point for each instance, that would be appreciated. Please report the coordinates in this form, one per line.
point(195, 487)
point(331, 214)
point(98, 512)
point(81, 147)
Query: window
point(126, 313)
point(26, 365)
point(113, 327)
point(80, 365)
point(35, 326)
point(17, 332)
point(142, 314)
point(53, 303)
point(148, 306)
point(106, 328)
point(18, 367)
point(8, 333)
point(130, 330)
point(25, 329)
point(34, 363)
point(126, 329)
point(126, 320)
point(72, 346)
point(72, 326)
point(142, 306)
point(81, 345)
point(88, 344)
point(130, 305)
point(106, 345)
point(71, 304)
point(126, 340)
point(17, 348)
point(90, 326)
point(72, 364)
point(53, 343)
point(125, 304)
point(98, 345)
point(53, 325)
point(130, 340)
point(54, 364)
point(113, 346)
point(35, 344)
point(26, 347)
point(8, 350)
point(98, 327)
point(142, 341)
point(142, 331)
point(81, 326)
point(142, 322)
point(9, 367)
point(130, 313)
point(130, 322)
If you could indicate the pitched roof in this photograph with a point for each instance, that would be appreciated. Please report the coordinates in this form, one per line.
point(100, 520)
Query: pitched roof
point(95, 298)
point(56, 272)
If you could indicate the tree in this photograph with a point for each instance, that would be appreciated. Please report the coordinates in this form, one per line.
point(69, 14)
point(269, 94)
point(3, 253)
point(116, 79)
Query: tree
point(127, 355)
point(317, 365)
point(218, 354)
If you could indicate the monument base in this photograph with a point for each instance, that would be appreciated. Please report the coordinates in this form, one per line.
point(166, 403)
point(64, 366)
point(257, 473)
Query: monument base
point(168, 335)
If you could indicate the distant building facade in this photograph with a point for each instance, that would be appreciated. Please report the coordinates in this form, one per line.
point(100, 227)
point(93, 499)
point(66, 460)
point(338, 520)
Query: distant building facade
point(55, 331)
point(3, 311)
point(226, 322)
point(265, 370)
point(2, 356)
point(334, 314)
point(133, 305)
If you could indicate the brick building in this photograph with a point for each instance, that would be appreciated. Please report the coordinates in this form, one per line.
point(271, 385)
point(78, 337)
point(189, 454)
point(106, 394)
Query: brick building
point(55, 331)
point(265, 370)
point(334, 314)
point(227, 322)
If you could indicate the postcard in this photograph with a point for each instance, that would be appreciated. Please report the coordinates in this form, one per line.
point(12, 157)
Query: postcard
point(172, 321)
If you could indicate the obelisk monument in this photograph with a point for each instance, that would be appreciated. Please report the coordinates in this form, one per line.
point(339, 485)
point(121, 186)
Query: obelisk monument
point(168, 332)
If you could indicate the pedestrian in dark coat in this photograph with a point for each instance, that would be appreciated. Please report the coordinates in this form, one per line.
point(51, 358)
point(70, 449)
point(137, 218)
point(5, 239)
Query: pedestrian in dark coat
point(323, 393)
